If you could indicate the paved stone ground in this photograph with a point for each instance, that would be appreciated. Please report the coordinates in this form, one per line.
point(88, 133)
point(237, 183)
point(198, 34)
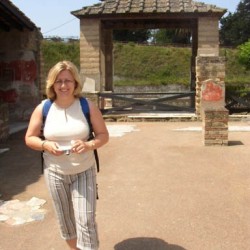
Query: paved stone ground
point(159, 188)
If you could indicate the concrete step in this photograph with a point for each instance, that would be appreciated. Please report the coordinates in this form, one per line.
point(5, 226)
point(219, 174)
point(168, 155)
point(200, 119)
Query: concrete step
point(167, 116)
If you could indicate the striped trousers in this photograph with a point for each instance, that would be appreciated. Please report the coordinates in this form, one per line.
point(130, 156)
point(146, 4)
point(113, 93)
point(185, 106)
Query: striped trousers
point(74, 200)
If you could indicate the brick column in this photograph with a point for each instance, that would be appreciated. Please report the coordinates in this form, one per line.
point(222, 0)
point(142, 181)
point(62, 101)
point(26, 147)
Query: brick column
point(214, 114)
point(210, 67)
point(208, 36)
point(215, 126)
point(90, 54)
point(210, 99)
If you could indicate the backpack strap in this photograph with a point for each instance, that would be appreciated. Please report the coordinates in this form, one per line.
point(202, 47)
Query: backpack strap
point(46, 106)
point(45, 110)
point(86, 112)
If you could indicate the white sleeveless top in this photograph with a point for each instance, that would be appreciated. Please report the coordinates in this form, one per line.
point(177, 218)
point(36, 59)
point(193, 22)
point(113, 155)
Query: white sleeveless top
point(63, 126)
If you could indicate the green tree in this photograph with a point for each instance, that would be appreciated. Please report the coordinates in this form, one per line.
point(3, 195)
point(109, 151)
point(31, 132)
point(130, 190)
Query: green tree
point(235, 26)
point(162, 36)
point(244, 54)
point(166, 36)
point(139, 36)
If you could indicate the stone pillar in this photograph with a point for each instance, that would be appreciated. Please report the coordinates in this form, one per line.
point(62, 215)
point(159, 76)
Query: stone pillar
point(212, 68)
point(214, 114)
point(208, 36)
point(208, 63)
point(107, 60)
point(210, 84)
point(90, 54)
point(210, 101)
point(215, 126)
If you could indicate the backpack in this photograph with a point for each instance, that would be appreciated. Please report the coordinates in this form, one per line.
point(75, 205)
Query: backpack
point(85, 110)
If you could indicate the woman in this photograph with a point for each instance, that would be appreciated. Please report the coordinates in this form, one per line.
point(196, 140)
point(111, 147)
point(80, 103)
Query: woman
point(71, 177)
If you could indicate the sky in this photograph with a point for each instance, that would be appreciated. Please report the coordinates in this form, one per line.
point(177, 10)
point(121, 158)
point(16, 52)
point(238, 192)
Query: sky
point(54, 17)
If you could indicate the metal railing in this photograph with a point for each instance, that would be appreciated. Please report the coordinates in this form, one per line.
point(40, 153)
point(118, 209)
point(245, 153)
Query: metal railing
point(145, 102)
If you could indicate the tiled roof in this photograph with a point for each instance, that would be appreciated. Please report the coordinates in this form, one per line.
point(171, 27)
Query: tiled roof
point(12, 17)
point(108, 7)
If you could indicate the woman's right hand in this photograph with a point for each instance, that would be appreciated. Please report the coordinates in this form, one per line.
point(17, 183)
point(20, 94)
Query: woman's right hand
point(52, 148)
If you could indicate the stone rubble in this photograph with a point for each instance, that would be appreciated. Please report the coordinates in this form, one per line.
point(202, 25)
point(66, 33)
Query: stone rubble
point(120, 130)
point(16, 212)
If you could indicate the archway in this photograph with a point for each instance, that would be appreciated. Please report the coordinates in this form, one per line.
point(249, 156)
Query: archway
point(98, 21)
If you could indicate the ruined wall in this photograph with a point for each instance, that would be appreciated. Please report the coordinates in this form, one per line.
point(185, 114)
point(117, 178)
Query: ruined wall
point(19, 77)
point(19, 72)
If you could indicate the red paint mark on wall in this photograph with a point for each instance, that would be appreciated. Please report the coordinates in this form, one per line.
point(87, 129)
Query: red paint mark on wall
point(30, 72)
point(13, 75)
point(24, 70)
point(9, 96)
point(212, 92)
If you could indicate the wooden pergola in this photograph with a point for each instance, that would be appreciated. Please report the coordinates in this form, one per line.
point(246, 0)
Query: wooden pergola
point(98, 21)
point(207, 68)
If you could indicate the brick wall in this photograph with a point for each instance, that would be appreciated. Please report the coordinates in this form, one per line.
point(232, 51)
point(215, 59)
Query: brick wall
point(215, 126)
point(90, 63)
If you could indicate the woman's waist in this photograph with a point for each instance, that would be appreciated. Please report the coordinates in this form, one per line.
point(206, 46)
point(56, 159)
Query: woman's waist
point(64, 144)
point(69, 164)
point(68, 157)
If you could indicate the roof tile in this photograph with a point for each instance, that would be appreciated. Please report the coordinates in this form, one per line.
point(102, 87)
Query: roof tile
point(147, 6)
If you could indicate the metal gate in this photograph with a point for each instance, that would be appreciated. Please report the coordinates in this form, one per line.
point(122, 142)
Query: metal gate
point(120, 103)
point(237, 102)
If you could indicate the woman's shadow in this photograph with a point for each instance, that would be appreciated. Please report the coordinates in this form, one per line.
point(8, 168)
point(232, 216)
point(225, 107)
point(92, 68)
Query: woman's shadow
point(146, 244)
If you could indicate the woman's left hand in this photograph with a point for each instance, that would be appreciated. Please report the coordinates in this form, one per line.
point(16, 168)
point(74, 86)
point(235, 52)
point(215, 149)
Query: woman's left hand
point(79, 146)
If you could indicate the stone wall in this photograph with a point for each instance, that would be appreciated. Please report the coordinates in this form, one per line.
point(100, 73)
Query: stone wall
point(20, 72)
point(20, 78)
point(147, 89)
point(4, 121)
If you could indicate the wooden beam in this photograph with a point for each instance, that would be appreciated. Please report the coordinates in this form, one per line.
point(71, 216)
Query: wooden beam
point(149, 24)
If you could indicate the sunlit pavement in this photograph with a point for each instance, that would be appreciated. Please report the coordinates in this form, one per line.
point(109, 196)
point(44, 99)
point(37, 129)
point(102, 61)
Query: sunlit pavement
point(159, 189)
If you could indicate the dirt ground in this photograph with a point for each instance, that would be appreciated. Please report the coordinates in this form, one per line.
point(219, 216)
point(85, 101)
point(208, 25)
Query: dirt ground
point(159, 188)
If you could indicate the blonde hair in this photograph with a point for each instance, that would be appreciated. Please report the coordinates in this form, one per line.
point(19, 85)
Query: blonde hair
point(54, 72)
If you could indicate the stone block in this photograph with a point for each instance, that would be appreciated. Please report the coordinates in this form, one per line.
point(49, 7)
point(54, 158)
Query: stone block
point(215, 126)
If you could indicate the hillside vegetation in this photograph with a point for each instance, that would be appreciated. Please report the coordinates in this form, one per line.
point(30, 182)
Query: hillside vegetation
point(57, 51)
point(148, 65)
